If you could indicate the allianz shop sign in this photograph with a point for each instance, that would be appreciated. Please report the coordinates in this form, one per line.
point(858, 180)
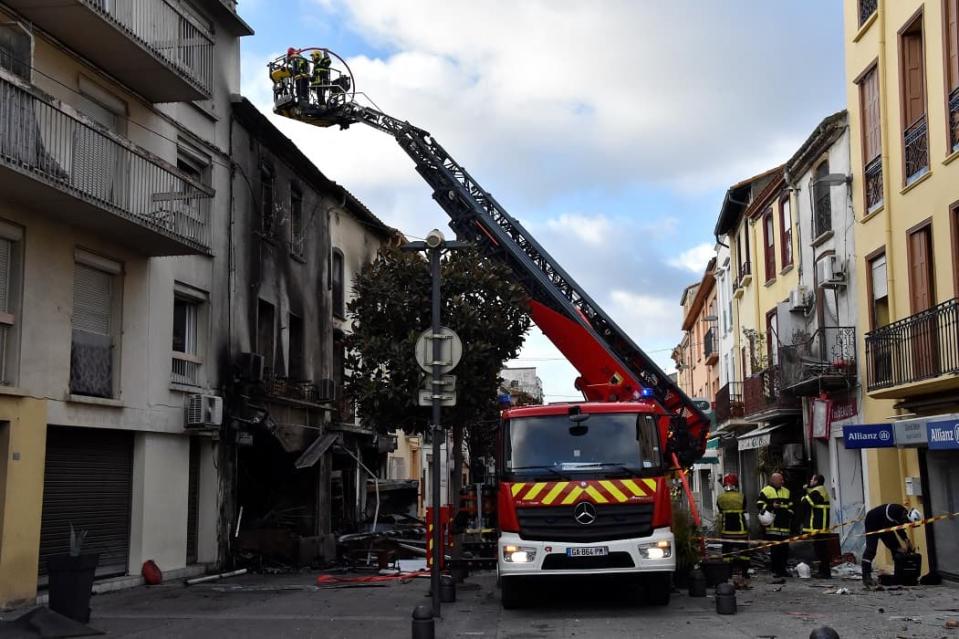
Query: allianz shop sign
point(943, 435)
point(868, 436)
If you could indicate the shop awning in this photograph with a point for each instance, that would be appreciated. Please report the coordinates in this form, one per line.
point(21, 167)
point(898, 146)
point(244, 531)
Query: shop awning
point(315, 451)
point(758, 438)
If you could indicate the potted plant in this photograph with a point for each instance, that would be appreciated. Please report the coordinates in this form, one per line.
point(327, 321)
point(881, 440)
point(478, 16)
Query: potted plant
point(71, 579)
point(687, 545)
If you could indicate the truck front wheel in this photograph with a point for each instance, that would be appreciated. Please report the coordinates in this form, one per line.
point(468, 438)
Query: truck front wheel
point(510, 595)
point(658, 587)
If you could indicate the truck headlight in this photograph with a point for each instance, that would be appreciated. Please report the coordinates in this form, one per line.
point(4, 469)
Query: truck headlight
point(658, 550)
point(519, 554)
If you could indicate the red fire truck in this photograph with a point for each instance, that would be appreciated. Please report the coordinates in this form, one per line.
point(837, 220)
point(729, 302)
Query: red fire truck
point(582, 487)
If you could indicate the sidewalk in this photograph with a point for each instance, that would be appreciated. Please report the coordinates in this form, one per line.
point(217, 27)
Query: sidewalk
point(291, 606)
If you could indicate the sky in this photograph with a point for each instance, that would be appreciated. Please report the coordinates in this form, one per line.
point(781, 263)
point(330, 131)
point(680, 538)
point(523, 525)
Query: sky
point(610, 129)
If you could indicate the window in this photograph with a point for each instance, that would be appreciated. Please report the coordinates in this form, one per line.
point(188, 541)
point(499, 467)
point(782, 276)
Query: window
point(822, 198)
point(11, 239)
point(769, 240)
point(866, 9)
point(786, 232)
point(267, 204)
point(772, 338)
point(336, 271)
point(297, 370)
point(871, 138)
point(94, 356)
point(296, 221)
point(954, 222)
point(951, 38)
point(879, 302)
point(186, 340)
point(16, 50)
point(266, 335)
point(913, 97)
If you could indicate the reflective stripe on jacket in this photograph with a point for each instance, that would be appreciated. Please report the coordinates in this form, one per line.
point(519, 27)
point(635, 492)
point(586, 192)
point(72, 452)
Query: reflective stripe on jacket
point(779, 503)
point(817, 501)
point(732, 508)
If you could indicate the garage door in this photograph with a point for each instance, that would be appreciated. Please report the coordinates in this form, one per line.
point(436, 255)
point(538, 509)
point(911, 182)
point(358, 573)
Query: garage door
point(87, 483)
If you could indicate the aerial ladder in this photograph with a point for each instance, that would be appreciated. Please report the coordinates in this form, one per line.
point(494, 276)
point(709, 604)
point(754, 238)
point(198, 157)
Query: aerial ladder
point(612, 367)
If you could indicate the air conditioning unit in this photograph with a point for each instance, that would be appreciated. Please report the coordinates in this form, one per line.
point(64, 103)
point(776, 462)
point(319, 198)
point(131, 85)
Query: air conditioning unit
point(249, 367)
point(797, 300)
point(204, 411)
point(830, 272)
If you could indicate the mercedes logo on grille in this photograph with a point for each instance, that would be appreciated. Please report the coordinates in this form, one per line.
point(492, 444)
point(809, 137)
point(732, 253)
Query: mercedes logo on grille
point(584, 513)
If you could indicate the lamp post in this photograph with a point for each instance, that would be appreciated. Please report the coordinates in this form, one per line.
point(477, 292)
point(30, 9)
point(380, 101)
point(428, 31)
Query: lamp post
point(434, 245)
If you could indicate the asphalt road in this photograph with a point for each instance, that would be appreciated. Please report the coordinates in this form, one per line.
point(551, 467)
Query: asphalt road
point(292, 606)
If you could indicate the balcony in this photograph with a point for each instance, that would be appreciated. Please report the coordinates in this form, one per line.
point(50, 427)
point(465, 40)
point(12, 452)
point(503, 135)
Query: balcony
point(954, 118)
point(148, 45)
point(744, 277)
point(866, 9)
point(826, 361)
point(765, 398)
point(709, 347)
point(303, 393)
point(729, 402)
point(65, 168)
point(915, 355)
point(915, 142)
point(873, 177)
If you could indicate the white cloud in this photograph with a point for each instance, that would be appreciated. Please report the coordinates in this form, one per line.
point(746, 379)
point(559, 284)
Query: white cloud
point(593, 230)
point(695, 259)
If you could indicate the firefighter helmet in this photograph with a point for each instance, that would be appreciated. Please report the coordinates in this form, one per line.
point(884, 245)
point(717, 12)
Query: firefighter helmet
point(730, 480)
point(766, 518)
point(914, 516)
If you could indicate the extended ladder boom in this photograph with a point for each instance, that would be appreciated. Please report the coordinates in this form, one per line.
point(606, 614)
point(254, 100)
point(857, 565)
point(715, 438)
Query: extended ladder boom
point(612, 366)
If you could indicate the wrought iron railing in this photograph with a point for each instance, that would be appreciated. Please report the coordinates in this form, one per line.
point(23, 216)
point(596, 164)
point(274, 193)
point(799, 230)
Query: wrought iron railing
point(829, 351)
point(873, 177)
point(185, 371)
point(729, 402)
point(160, 26)
point(921, 346)
point(745, 269)
point(866, 9)
point(764, 392)
point(47, 143)
point(916, 149)
point(709, 344)
point(954, 118)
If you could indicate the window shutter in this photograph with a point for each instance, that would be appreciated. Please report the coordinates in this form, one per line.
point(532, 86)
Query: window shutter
point(914, 98)
point(92, 300)
point(6, 256)
point(952, 43)
point(870, 115)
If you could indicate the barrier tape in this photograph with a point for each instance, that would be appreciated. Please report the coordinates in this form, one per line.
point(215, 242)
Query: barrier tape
point(765, 543)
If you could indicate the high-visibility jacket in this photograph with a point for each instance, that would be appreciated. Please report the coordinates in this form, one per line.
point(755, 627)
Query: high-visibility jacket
point(780, 504)
point(816, 500)
point(732, 509)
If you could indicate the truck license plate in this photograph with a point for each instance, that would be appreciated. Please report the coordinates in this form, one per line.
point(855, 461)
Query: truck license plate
point(588, 551)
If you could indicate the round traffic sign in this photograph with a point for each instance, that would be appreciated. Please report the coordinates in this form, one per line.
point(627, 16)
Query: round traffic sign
point(451, 350)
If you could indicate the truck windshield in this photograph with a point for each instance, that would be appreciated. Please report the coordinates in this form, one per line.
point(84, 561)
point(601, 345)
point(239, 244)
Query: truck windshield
point(605, 443)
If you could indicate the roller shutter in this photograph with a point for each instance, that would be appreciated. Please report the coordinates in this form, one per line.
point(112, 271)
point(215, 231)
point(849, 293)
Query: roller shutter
point(88, 483)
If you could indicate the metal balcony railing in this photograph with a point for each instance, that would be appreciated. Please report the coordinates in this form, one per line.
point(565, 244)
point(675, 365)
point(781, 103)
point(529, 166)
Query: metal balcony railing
point(745, 269)
point(172, 35)
point(827, 356)
point(866, 9)
point(39, 139)
point(916, 149)
point(954, 118)
point(185, 370)
point(921, 346)
point(729, 402)
point(873, 177)
point(763, 392)
point(709, 344)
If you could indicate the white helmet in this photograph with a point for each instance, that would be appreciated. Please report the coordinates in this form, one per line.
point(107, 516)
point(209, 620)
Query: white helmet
point(766, 518)
point(914, 516)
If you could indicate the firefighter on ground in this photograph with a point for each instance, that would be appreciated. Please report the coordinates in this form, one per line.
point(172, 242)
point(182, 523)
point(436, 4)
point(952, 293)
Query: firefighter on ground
point(886, 516)
point(816, 522)
point(320, 80)
point(776, 515)
point(731, 506)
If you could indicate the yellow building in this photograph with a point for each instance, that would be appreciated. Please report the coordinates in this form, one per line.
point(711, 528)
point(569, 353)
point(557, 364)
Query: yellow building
point(902, 69)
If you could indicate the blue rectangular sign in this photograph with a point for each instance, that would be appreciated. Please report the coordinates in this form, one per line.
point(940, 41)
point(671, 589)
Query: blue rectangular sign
point(943, 435)
point(868, 436)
